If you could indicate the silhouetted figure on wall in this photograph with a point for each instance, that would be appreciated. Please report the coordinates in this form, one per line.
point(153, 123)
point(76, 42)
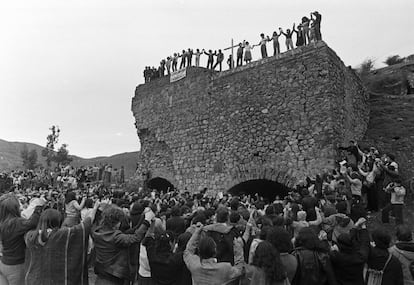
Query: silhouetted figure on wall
point(210, 59)
point(220, 58)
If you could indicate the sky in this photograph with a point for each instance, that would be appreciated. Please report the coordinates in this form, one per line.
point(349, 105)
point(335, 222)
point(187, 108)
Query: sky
point(76, 63)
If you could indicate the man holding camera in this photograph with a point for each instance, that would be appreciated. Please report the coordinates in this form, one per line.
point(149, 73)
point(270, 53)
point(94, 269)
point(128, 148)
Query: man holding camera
point(396, 204)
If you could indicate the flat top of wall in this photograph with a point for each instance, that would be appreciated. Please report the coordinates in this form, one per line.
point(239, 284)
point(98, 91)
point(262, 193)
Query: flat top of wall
point(193, 71)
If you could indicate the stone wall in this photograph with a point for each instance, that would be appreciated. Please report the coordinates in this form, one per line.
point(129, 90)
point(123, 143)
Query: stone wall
point(280, 118)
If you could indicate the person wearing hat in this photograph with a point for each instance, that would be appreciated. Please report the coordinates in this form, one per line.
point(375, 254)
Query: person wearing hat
point(350, 254)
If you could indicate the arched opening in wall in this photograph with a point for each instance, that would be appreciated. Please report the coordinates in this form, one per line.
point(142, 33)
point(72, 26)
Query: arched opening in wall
point(266, 188)
point(160, 184)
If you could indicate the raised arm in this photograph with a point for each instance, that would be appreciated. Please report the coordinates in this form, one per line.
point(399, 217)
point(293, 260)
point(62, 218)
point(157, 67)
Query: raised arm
point(192, 261)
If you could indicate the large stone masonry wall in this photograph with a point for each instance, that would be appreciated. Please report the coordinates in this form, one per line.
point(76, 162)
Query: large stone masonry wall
point(279, 119)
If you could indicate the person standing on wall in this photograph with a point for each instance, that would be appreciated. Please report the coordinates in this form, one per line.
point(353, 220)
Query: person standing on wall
point(210, 59)
point(248, 52)
point(240, 54)
point(197, 57)
point(276, 46)
point(318, 19)
point(305, 30)
point(288, 35)
point(183, 57)
point(174, 62)
point(220, 58)
point(189, 57)
point(262, 44)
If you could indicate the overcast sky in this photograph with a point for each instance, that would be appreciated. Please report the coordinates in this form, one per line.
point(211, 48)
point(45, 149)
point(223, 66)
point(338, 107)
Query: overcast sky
point(76, 63)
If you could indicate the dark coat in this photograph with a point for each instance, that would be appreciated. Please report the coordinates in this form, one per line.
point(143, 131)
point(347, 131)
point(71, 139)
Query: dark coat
point(348, 263)
point(167, 268)
point(314, 268)
point(116, 252)
point(393, 274)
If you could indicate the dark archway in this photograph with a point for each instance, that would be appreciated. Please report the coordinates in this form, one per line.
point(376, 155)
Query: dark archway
point(265, 188)
point(160, 184)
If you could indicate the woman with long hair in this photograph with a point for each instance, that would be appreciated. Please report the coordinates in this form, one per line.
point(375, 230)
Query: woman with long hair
point(266, 268)
point(58, 254)
point(12, 231)
point(72, 209)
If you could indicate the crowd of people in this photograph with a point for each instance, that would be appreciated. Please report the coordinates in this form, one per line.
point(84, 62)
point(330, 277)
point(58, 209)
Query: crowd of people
point(307, 31)
point(317, 234)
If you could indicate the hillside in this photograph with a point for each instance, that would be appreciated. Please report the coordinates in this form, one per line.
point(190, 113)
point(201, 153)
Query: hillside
point(10, 158)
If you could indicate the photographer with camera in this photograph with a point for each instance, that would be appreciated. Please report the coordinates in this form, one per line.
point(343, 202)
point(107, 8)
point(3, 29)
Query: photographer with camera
point(396, 204)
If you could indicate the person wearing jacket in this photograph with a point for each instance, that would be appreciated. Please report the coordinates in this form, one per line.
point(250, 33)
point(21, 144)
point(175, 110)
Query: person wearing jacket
point(403, 250)
point(167, 267)
point(350, 255)
point(223, 234)
point(114, 248)
point(379, 255)
point(12, 230)
point(62, 251)
point(204, 268)
point(314, 264)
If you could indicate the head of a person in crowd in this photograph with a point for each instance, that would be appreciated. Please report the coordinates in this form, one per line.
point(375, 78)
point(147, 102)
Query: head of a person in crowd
point(404, 233)
point(182, 241)
point(198, 50)
point(397, 181)
point(112, 217)
point(234, 217)
point(50, 220)
point(305, 192)
point(89, 203)
point(345, 243)
point(288, 31)
point(70, 196)
point(247, 43)
point(222, 215)
point(308, 239)
point(269, 210)
point(207, 247)
point(9, 209)
point(176, 211)
point(234, 204)
point(267, 258)
point(262, 35)
point(381, 238)
point(164, 243)
point(274, 33)
point(341, 207)
point(280, 238)
point(301, 216)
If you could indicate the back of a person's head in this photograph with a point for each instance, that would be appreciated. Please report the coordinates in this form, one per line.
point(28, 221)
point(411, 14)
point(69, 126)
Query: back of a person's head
point(89, 203)
point(182, 241)
point(234, 204)
point(404, 233)
point(269, 210)
point(341, 207)
point(307, 239)
point(381, 238)
point(112, 215)
point(222, 215)
point(267, 258)
point(49, 219)
point(280, 239)
point(176, 211)
point(164, 242)
point(207, 247)
point(9, 207)
point(234, 217)
point(199, 217)
point(301, 216)
point(70, 196)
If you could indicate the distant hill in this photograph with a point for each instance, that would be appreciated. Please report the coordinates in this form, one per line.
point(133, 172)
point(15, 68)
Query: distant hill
point(10, 158)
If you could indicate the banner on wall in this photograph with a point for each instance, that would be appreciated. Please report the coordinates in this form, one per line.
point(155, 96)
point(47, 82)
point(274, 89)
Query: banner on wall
point(177, 75)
